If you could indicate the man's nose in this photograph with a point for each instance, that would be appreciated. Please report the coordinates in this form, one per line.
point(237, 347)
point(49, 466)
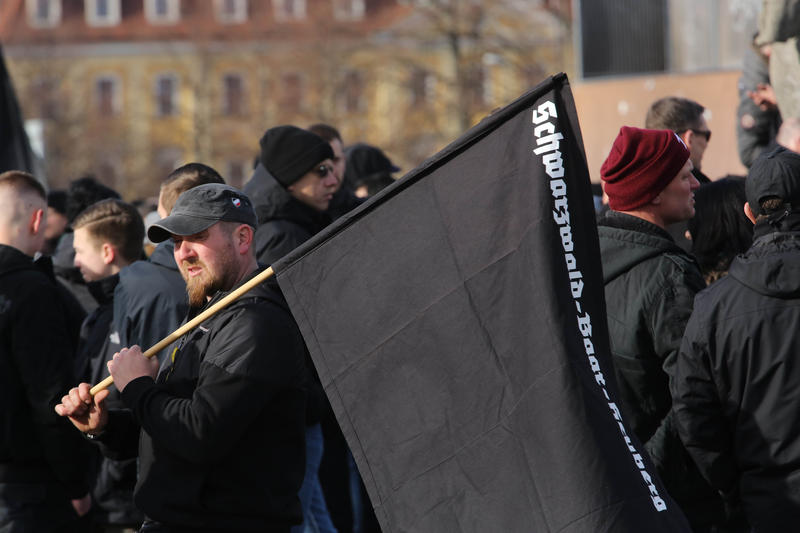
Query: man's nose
point(183, 251)
point(331, 180)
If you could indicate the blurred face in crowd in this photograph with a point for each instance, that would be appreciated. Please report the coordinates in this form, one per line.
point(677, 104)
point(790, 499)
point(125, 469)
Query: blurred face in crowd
point(338, 161)
point(207, 261)
point(317, 186)
point(698, 142)
point(92, 258)
point(676, 202)
point(56, 224)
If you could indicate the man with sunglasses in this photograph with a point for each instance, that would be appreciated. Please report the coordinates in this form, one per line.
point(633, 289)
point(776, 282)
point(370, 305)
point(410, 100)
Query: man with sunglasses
point(684, 117)
point(291, 189)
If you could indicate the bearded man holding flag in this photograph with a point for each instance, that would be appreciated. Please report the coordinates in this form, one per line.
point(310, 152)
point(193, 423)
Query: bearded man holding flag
point(222, 424)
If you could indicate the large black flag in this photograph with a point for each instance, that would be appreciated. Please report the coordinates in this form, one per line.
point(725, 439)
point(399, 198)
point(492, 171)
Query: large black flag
point(15, 150)
point(457, 323)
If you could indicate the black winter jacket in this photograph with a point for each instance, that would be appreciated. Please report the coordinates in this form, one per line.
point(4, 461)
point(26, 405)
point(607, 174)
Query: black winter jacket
point(36, 445)
point(223, 425)
point(650, 284)
point(737, 398)
point(150, 301)
point(112, 481)
point(285, 223)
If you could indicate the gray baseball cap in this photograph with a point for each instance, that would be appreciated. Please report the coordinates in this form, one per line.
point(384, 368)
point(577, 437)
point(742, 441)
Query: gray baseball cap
point(200, 208)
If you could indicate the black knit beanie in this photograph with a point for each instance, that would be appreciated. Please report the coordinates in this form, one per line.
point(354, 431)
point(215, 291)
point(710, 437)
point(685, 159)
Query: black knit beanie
point(288, 152)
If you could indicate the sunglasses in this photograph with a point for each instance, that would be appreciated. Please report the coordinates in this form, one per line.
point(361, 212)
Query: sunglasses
point(702, 133)
point(323, 170)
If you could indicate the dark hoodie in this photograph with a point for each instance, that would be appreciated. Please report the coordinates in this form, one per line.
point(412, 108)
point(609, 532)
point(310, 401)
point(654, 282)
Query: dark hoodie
point(737, 375)
point(150, 301)
point(650, 284)
point(36, 445)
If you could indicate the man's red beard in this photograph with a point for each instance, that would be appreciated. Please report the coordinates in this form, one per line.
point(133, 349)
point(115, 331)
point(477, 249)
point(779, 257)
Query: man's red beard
point(200, 288)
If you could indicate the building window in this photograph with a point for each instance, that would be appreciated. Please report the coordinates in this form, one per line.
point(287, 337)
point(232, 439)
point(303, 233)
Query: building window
point(286, 10)
point(102, 12)
point(43, 13)
point(231, 11)
point(107, 96)
point(352, 92)
point(233, 95)
point(166, 95)
point(348, 9)
point(291, 94)
point(421, 86)
point(162, 11)
point(43, 91)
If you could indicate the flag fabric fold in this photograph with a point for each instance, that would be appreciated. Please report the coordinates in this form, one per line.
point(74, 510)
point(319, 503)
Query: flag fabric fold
point(457, 323)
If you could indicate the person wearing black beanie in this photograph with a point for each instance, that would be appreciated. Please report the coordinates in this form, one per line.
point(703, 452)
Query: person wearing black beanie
point(291, 189)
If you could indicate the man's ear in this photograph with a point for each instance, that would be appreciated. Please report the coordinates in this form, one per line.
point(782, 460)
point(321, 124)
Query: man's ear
point(657, 199)
point(687, 137)
point(244, 237)
point(749, 213)
point(108, 253)
point(37, 222)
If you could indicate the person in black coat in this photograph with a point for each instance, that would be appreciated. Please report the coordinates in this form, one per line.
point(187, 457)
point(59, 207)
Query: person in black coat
point(222, 423)
point(43, 461)
point(108, 237)
point(650, 283)
point(735, 388)
point(292, 188)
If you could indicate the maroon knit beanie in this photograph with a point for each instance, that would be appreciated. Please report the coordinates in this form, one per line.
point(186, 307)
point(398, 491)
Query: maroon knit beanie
point(640, 165)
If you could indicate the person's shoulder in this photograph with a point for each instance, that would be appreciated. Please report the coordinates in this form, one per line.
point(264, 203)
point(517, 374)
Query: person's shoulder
point(145, 279)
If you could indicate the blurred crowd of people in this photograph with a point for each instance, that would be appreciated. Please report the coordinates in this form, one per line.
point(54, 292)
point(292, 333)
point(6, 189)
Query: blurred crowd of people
point(107, 283)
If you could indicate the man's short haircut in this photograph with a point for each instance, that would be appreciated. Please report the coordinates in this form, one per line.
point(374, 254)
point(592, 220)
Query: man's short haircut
point(326, 131)
point(115, 222)
point(674, 113)
point(184, 178)
point(22, 182)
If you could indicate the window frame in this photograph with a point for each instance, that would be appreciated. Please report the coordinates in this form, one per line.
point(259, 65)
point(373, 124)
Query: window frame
point(53, 17)
point(116, 94)
point(171, 17)
point(113, 18)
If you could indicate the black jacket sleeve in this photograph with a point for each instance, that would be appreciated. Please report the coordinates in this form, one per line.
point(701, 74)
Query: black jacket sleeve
point(245, 365)
point(44, 361)
point(669, 314)
point(699, 416)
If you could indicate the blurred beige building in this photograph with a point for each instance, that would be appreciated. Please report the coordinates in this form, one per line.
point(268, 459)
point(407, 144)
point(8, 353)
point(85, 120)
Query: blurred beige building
point(130, 89)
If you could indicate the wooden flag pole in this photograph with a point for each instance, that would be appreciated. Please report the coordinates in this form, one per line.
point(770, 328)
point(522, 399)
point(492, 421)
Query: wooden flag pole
point(193, 323)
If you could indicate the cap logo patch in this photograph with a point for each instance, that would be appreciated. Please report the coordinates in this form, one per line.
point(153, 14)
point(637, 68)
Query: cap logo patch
point(236, 202)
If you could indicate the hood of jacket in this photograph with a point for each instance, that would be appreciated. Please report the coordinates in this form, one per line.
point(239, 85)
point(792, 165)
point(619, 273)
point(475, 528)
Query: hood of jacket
point(164, 255)
point(12, 260)
point(771, 266)
point(273, 202)
point(626, 241)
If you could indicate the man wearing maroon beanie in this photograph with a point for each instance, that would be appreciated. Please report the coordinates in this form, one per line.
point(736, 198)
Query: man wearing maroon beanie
point(650, 283)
